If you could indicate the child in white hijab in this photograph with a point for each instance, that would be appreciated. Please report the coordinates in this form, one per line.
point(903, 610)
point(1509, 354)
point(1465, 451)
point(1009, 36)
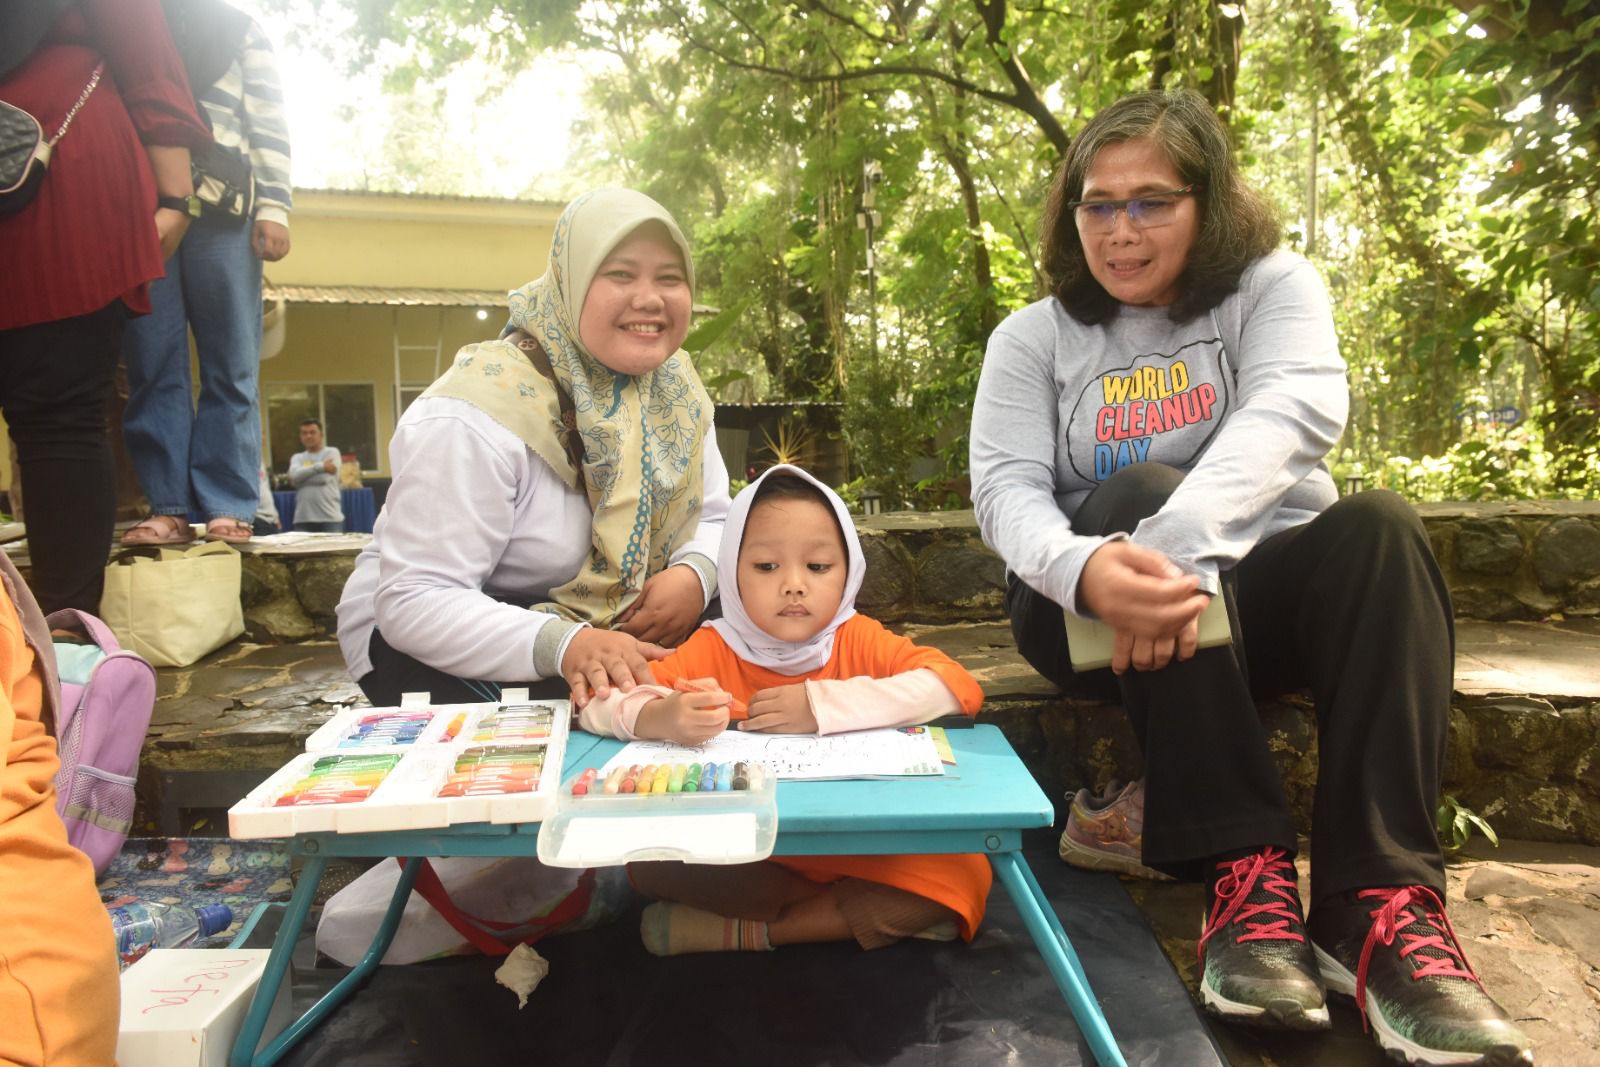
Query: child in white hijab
point(792, 655)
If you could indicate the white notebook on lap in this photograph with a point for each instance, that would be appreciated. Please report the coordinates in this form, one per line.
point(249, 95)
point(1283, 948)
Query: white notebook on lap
point(1089, 643)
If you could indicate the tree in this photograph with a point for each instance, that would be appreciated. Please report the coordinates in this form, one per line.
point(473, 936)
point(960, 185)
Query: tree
point(1437, 163)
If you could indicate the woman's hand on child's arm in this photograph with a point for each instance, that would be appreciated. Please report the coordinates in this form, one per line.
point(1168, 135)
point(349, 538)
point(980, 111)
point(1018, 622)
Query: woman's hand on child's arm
point(785, 709)
point(684, 718)
point(597, 659)
point(668, 607)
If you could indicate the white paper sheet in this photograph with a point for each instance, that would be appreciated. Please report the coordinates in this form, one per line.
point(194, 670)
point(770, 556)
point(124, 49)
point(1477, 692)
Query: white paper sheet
point(901, 752)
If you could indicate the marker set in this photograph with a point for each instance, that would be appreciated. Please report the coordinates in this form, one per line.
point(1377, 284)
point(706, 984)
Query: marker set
point(417, 766)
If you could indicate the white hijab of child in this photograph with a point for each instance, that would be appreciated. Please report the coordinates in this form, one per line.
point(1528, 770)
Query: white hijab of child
point(748, 641)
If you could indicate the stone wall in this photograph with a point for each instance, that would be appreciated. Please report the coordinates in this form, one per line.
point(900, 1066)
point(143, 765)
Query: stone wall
point(1502, 561)
point(1529, 766)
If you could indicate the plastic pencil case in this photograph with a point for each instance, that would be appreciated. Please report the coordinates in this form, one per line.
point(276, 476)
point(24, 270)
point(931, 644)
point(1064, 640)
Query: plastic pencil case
point(718, 827)
point(406, 795)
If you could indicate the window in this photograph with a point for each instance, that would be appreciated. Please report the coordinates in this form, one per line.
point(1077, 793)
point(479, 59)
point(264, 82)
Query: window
point(408, 393)
point(348, 414)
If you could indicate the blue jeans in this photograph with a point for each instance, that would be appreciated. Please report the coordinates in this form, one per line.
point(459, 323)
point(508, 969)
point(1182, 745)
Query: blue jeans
point(204, 455)
point(320, 527)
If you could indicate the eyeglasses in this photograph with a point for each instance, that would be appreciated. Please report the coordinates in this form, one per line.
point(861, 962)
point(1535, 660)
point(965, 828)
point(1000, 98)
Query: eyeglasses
point(1144, 212)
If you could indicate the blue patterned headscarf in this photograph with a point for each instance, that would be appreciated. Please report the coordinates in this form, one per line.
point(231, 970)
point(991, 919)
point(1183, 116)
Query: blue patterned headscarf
point(642, 437)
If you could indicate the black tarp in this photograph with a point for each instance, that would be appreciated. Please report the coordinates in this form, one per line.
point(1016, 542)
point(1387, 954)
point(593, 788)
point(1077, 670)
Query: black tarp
point(607, 1001)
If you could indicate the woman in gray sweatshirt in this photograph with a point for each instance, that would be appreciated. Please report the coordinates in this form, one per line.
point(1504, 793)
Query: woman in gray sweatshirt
point(1152, 435)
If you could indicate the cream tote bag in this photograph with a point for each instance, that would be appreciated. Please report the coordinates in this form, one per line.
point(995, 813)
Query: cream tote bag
point(177, 607)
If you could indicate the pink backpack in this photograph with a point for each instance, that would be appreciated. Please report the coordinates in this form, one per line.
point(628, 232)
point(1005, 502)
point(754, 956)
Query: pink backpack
point(100, 731)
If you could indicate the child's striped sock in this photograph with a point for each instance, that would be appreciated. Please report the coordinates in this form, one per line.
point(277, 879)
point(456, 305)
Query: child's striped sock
point(671, 929)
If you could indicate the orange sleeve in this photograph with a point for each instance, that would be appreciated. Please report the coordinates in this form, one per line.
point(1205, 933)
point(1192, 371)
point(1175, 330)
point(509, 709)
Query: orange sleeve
point(705, 655)
point(878, 653)
point(59, 992)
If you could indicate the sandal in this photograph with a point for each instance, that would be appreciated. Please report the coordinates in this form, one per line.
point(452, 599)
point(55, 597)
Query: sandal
point(230, 531)
point(159, 530)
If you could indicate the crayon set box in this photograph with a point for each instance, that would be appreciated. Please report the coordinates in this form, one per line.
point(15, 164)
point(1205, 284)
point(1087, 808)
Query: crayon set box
point(418, 766)
point(699, 813)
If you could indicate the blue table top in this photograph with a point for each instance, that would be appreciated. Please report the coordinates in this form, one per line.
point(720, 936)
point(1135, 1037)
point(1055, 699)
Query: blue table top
point(982, 806)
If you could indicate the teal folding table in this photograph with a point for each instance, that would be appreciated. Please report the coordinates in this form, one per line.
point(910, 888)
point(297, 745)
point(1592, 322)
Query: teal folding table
point(984, 807)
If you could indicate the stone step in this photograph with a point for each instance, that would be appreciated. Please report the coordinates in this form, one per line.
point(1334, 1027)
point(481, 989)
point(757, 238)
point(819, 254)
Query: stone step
point(1524, 747)
point(1524, 733)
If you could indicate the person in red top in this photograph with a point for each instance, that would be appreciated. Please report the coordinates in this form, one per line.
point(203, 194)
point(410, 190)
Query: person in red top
point(791, 655)
point(79, 258)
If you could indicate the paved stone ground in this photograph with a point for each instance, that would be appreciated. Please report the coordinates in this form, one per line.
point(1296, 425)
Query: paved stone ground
point(1528, 913)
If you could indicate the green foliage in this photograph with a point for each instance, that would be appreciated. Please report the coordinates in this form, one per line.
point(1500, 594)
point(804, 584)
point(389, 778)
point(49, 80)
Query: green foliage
point(1456, 823)
point(1435, 158)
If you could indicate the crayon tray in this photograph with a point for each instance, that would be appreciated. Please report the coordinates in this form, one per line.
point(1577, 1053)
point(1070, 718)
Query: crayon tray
point(344, 731)
point(406, 796)
point(604, 830)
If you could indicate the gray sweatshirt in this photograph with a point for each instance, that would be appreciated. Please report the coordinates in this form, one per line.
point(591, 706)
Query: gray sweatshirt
point(1248, 399)
point(316, 492)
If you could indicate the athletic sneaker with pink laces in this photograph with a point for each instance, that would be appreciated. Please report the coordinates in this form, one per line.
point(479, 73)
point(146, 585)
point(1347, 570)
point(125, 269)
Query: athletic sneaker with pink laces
point(1106, 832)
point(1393, 949)
point(1257, 965)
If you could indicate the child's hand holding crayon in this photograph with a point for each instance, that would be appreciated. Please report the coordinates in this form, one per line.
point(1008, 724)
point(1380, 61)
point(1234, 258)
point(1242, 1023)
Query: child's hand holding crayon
point(736, 708)
point(693, 715)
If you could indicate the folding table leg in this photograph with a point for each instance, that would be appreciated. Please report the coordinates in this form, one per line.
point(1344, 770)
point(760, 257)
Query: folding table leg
point(332, 998)
point(294, 919)
point(1059, 957)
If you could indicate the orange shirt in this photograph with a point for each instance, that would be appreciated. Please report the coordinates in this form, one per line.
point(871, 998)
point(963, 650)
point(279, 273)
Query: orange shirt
point(861, 647)
point(59, 992)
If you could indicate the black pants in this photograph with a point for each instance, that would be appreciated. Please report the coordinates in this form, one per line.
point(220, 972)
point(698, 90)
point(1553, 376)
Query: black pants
point(1351, 605)
point(393, 673)
point(55, 378)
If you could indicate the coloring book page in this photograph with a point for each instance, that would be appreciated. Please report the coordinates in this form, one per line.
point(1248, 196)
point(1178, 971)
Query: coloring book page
point(902, 752)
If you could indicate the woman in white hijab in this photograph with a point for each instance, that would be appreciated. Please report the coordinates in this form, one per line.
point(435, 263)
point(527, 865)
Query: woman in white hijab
point(558, 496)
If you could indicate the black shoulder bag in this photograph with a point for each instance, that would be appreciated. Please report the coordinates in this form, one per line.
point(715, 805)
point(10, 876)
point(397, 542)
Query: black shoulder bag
point(25, 151)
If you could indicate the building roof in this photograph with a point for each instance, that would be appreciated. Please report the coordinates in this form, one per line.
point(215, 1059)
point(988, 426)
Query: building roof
point(365, 294)
point(403, 297)
point(389, 194)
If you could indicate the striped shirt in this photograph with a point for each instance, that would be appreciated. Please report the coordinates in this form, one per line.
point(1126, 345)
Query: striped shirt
point(245, 107)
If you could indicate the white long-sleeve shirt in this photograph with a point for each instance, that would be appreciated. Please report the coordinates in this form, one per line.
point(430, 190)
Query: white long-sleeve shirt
point(474, 515)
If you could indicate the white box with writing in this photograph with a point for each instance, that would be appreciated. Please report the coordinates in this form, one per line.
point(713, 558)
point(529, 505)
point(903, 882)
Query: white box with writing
point(184, 1007)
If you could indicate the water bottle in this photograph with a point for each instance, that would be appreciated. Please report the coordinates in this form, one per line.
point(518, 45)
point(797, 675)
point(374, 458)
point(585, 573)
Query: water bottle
point(144, 925)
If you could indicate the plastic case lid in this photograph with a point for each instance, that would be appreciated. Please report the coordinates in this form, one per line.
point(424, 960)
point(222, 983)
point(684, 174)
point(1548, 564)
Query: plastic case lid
point(599, 830)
